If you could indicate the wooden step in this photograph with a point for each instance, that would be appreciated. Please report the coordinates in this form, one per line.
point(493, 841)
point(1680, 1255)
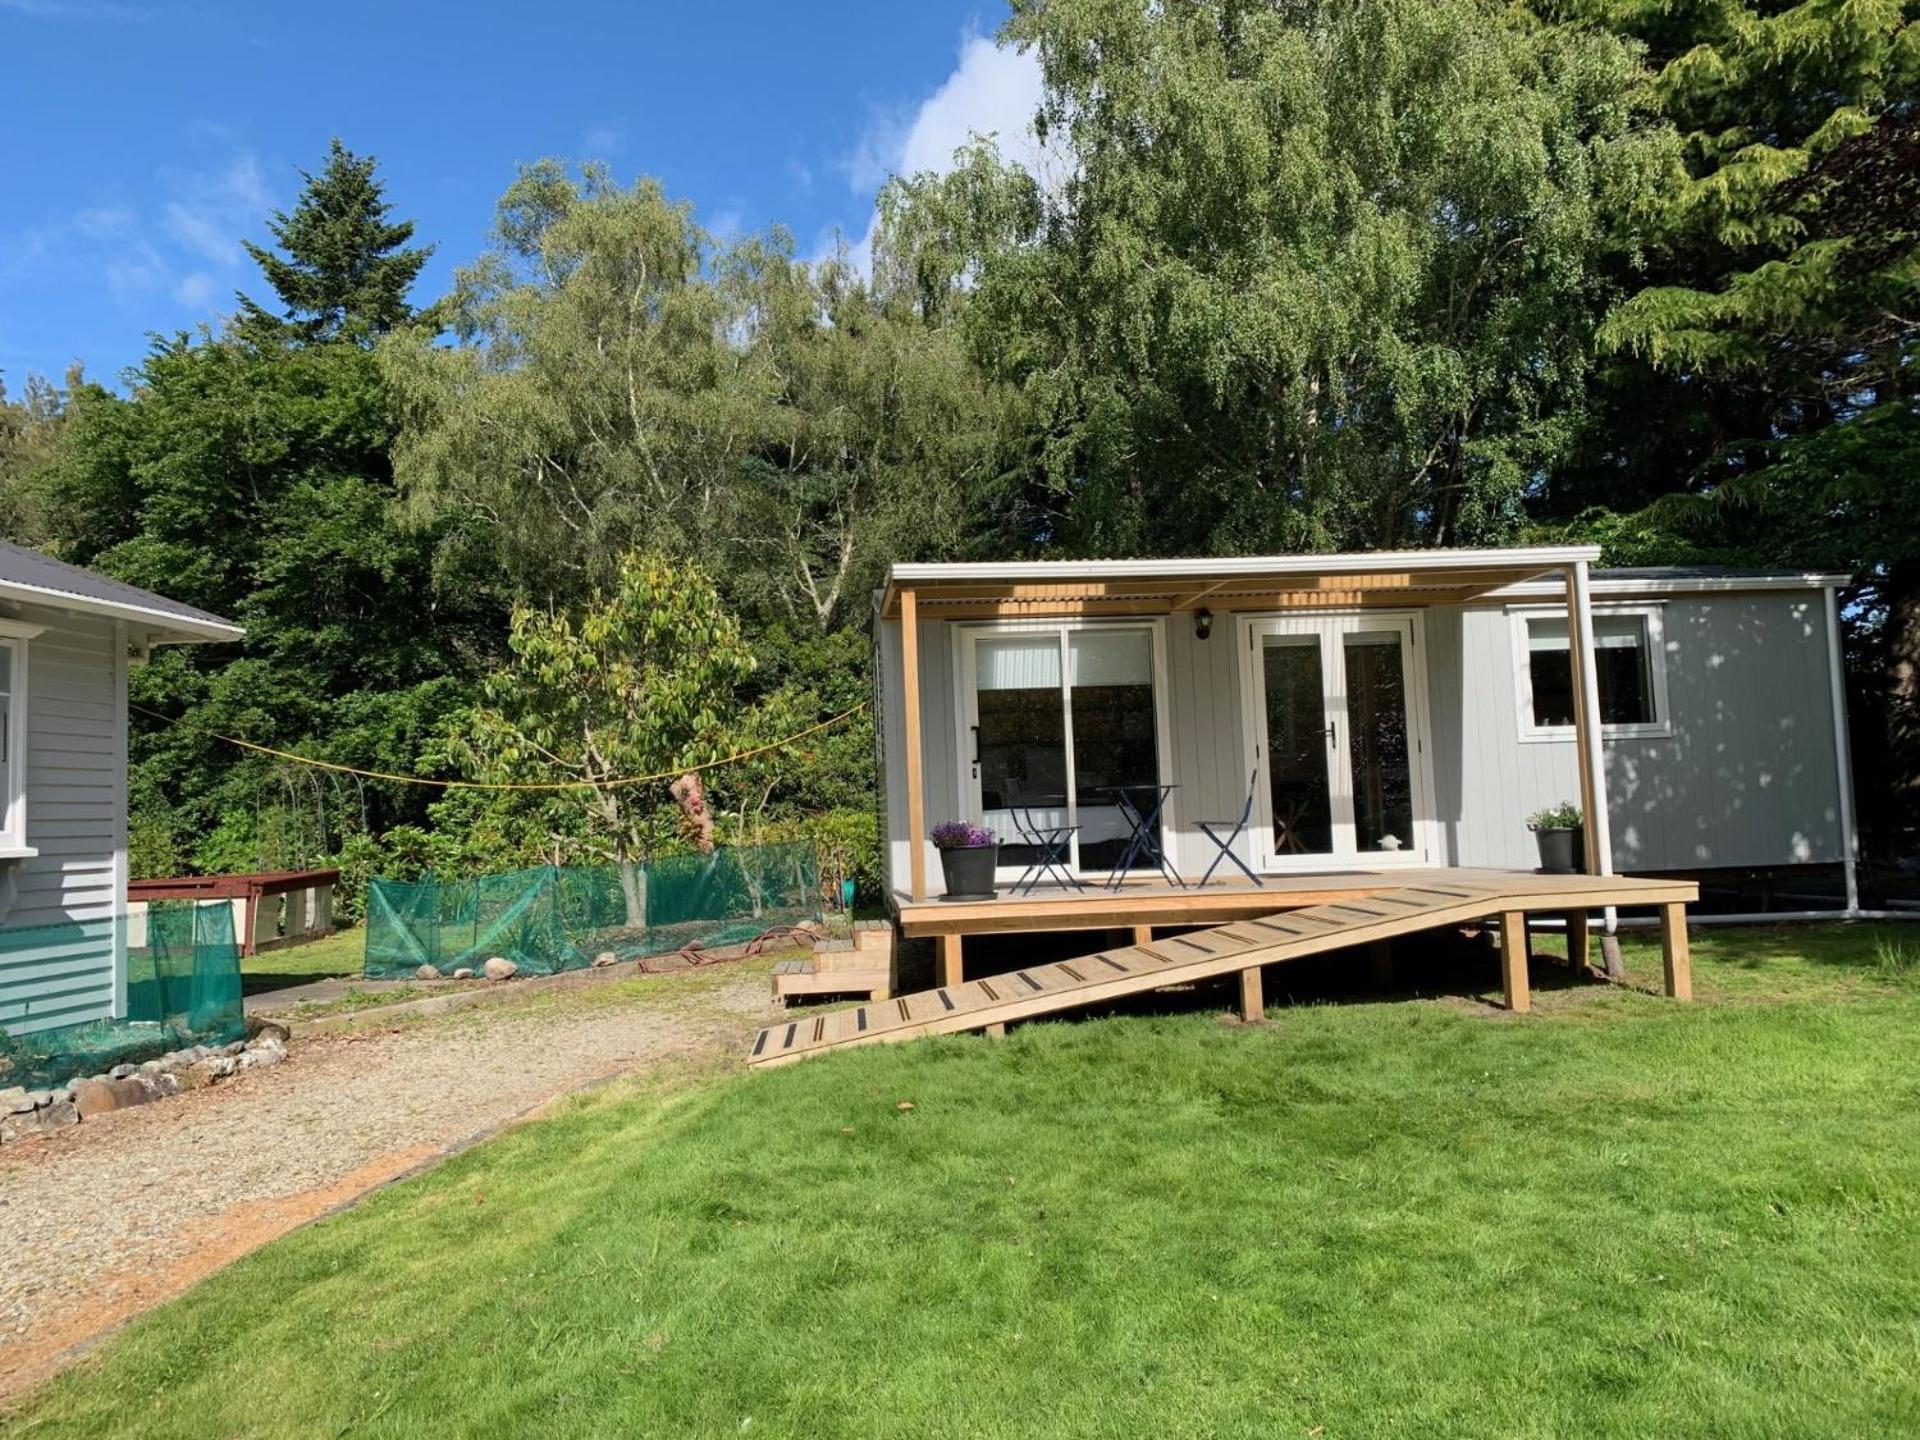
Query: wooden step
point(803, 980)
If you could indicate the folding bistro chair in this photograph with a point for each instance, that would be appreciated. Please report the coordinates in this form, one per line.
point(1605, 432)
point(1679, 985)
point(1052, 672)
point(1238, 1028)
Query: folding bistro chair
point(1050, 843)
point(1211, 829)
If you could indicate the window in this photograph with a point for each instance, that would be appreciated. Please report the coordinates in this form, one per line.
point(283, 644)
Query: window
point(1628, 661)
point(13, 737)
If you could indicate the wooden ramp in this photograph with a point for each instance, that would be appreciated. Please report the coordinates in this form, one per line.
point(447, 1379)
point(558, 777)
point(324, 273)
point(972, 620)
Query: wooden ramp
point(1241, 946)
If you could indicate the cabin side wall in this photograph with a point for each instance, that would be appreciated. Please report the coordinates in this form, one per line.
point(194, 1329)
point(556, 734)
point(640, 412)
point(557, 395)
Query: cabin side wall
point(75, 886)
point(1746, 775)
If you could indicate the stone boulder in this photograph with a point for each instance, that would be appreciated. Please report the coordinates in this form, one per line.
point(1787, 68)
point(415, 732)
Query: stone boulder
point(426, 972)
point(465, 972)
point(501, 968)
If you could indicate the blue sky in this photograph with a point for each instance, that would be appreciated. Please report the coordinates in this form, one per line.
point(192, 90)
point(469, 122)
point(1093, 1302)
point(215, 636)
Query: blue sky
point(148, 139)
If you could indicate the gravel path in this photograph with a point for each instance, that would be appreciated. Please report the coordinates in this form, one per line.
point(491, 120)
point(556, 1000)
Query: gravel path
point(110, 1217)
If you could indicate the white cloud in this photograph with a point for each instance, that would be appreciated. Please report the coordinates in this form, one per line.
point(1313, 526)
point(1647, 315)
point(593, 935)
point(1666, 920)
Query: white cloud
point(210, 212)
point(71, 10)
point(135, 268)
point(993, 92)
point(194, 291)
point(603, 140)
point(185, 241)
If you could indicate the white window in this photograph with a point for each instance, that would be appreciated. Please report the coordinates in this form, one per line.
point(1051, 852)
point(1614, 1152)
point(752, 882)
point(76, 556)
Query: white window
point(13, 737)
point(1629, 655)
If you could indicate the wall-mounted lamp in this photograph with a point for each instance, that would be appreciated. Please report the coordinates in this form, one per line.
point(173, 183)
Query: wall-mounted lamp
point(1202, 624)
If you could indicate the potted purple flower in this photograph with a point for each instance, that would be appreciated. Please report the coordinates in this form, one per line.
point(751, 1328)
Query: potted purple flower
point(969, 854)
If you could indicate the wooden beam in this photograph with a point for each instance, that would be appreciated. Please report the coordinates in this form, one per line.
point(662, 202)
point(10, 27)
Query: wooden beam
point(1578, 657)
point(1673, 951)
point(1143, 934)
point(1579, 949)
point(1192, 602)
point(1253, 1005)
point(1380, 961)
point(1146, 905)
point(952, 966)
point(1593, 763)
point(916, 782)
point(1513, 961)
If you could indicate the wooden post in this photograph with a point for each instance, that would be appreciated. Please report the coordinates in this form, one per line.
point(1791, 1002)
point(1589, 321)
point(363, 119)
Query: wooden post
point(995, 1031)
point(951, 969)
point(1578, 949)
point(1592, 756)
point(1673, 949)
point(1380, 958)
point(1253, 1005)
point(1513, 961)
point(1585, 682)
point(916, 782)
point(1143, 934)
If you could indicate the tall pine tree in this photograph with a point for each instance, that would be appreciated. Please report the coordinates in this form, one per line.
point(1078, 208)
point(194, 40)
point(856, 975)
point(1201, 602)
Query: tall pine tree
point(347, 267)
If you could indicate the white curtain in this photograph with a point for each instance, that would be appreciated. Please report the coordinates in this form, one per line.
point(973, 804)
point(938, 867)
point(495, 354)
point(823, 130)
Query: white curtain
point(1017, 662)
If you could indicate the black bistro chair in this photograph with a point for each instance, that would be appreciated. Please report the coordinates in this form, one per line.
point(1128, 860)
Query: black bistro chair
point(1212, 828)
point(1051, 845)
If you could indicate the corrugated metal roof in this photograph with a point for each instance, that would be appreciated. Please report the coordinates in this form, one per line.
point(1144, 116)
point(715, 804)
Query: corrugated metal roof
point(29, 576)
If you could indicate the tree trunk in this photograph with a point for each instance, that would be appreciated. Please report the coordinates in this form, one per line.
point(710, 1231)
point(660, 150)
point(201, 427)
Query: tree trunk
point(633, 889)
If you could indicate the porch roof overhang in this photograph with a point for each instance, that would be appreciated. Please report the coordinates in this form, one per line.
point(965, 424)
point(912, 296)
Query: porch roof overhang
point(984, 589)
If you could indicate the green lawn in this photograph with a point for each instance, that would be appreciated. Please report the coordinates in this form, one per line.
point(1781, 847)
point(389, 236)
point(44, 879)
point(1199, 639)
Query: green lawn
point(1615, 1217)
point(337, 955)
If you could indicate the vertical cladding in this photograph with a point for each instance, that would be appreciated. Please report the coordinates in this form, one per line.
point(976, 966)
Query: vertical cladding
point(1744, 775)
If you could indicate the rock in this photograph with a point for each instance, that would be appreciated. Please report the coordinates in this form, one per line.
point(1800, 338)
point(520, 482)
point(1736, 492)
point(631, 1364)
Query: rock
point(604, 959)
point(150, 1067)
point(263, 1056)
point(258, 1028)
point(426, 972)
point(92, 1098)
point(215, 1067)
point(233, 1047)
point(463, 973)
point(121, 1072)
point(15, 1101)
point(500, 968)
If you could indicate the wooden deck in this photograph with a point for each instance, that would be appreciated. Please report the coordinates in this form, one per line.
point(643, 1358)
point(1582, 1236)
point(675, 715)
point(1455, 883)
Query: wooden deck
point(1140, 906)
point(1290, 928)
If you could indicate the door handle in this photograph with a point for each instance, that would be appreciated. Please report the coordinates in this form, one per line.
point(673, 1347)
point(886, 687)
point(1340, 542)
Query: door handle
point(976, 743)
point(1333, 735)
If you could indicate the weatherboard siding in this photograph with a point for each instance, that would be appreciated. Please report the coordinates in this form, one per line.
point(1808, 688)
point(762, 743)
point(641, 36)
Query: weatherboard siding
point(1746, 776)
point(76, 819)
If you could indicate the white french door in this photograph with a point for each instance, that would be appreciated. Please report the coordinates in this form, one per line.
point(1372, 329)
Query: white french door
point(1335, 724)
point(1054, 715)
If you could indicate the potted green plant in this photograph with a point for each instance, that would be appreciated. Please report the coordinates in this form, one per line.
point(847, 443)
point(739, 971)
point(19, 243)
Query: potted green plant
point(1560, 833)
point(969, 854)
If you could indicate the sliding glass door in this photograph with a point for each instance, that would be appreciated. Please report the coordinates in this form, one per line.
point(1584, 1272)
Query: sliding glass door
point(1332, 729)
point(1058, 718)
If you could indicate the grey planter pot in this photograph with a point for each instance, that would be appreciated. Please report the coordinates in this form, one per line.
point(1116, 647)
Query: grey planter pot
point(969, 871)
point(1562, 852)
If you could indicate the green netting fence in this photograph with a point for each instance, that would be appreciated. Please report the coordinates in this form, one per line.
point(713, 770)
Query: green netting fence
point(561, 917)
point(183, 988)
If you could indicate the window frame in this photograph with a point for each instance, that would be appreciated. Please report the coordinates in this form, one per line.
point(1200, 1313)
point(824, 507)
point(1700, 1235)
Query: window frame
point(1651, 614)
point(962, 634)
point(15, 636)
